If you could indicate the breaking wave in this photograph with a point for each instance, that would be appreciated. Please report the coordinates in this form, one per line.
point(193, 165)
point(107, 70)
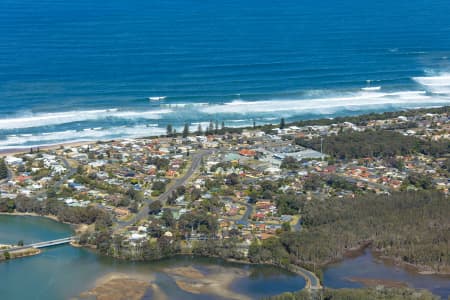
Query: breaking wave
point(58, 118)
point(51, 128)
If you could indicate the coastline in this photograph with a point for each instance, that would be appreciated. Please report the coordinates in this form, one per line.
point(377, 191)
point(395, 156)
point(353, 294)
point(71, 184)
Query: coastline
point(369, 116)
point(23, 150)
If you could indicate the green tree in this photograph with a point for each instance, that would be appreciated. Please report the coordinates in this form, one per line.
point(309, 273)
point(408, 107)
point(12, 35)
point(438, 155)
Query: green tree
point(186, 130)
point(282, 123)
point(169, 130)
point(3, 169)
point(154, 207)
point(199, 130)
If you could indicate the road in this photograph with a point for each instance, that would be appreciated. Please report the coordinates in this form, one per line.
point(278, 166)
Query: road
point(312, 281)
point(40, 245)
point(195, 164)
point(70, 172)
point(247, 214)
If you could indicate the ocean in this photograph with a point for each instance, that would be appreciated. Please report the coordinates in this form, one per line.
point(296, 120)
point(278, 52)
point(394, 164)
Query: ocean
point(84, 70)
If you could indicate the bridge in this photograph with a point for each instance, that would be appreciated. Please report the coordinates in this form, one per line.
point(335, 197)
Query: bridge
point(40, 245)
point(51, 243)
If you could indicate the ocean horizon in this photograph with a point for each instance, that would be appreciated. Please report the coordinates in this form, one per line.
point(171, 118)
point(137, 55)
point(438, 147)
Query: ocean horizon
point(90, 70)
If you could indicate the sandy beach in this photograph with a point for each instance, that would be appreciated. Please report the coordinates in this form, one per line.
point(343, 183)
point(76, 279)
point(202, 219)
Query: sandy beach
point(8, 152)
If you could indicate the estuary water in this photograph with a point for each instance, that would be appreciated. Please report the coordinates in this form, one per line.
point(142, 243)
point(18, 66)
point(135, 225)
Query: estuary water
point(64, 272)
point(85, 70)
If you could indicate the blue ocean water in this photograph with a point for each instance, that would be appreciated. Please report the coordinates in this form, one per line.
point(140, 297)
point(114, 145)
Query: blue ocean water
point(84, 70)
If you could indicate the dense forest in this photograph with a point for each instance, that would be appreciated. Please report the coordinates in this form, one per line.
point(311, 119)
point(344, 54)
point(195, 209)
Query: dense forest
point(358, 294)
point(380, 143)
point(410, 227)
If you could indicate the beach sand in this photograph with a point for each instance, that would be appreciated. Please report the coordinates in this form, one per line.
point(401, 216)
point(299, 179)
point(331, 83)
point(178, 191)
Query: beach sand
point(216, 282)
point(118, 286)
point(8, 152)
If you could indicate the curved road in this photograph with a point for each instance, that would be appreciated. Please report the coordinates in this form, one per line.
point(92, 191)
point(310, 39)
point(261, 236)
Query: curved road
point(312, 281)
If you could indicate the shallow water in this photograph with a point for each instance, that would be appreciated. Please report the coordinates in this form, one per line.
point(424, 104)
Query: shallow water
point(366, 266)
point(63, 272)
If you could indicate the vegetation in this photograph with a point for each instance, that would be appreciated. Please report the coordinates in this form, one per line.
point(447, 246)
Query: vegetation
point(380, 143)
point(410, 227)
point(3, 169)
point(358, 294)
point(74, 215)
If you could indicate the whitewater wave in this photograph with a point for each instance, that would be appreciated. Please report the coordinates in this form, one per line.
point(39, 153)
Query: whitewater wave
point(439, 84)
point(50, 138)
point(49, 119)
point(30, 130)
point(356, 101)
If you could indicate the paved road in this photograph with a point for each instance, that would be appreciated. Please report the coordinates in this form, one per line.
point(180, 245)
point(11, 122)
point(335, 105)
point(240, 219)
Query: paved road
point(70, 172)
point(40, 245)
point(312, 281)
point(247, 214)
point(195, 164)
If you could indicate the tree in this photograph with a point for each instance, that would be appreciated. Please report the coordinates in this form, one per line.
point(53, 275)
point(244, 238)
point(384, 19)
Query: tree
point(155, 207)
point(167, 218)
point(286, 226)
point(20, 243)
point(282, 123)
point(3, 169)
point(211, 127)
point(223, 126)
point(199, 130)
point(232, 179)
point(185, 130)
point(169, 130)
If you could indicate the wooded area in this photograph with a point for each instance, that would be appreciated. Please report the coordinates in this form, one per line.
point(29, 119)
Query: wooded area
point(358, 294)
point(411, 227)
point(374, 143)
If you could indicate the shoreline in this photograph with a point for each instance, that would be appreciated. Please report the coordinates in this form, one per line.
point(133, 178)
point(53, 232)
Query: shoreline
point(77, 228)
point(24, 150)
point(370, 281)
point(370, 116)
point(349, 253)
point(18, 253)
point(26, 214)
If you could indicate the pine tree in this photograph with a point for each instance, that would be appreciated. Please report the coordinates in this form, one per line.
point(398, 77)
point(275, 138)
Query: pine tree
point(3, 169)
point(211, 127)
point(185, 130)
point(282, 123)
point(169, 130)
point(199, 130)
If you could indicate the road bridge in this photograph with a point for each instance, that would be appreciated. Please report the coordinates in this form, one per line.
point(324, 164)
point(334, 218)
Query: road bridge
point(41, 245)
